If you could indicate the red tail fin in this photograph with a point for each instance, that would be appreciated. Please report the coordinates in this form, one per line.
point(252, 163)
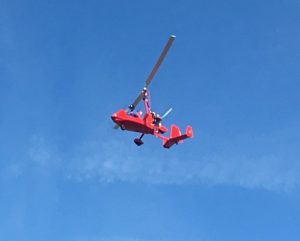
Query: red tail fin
point(176, 136)
point(189, 132)
point(175, 132)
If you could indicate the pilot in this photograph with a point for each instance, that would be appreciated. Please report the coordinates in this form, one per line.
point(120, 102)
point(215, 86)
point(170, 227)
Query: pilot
point(139, 113)
point(156, 119)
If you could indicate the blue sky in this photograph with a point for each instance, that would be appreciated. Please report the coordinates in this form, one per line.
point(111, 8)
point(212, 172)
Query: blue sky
point(232, 73)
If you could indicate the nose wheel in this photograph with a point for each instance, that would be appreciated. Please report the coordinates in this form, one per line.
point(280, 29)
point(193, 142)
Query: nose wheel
point(138, 141)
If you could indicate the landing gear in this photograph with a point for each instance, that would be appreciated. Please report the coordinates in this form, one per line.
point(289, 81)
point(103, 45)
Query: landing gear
point(138, 141)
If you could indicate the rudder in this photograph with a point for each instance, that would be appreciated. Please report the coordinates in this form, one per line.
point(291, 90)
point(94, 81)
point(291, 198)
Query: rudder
point(189, 132)
point(175, 132)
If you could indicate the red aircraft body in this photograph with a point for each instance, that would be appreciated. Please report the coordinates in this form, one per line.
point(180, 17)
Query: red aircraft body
point(150, 122)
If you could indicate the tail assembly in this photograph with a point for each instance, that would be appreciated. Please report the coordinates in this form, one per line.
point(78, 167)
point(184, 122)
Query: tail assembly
point(176, 136)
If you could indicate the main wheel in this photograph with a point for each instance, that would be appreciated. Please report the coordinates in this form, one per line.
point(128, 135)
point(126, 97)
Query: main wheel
point(138, 141)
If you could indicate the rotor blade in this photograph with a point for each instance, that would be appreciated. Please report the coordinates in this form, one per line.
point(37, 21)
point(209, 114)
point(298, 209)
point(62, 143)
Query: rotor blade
point(160, 59)
point(153, 72)
point(168, 112)
point(137, 100)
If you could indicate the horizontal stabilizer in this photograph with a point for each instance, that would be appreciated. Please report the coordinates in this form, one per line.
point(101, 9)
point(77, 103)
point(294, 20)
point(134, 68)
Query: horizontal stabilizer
point(176, 136)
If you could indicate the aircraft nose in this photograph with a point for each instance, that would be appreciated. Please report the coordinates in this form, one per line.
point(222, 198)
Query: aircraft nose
point(114, 117)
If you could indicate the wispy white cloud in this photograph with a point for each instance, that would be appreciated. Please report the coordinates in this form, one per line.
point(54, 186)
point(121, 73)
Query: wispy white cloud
point(39, 152)
point(40, 156)
point(269, 161)
point(12, 170)
point(43, 154)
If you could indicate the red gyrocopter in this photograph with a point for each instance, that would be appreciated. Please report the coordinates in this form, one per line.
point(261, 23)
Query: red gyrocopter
point(150, 122)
